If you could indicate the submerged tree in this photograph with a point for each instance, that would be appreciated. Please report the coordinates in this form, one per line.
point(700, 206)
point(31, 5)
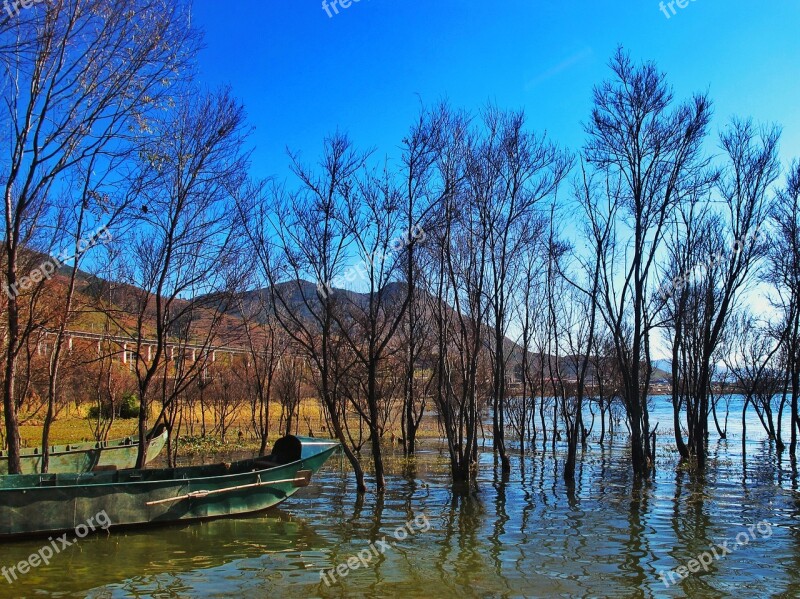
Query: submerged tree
point(458, 282)
point(369, 322)
point(645, 152)
point(751, 359)
point(715, 252)
point(422, 188)
point(783, 272)
point(310, 240)
point(522, 170)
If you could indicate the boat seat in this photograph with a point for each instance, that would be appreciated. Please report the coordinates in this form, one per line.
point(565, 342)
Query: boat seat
point(264, 462)
point(286, 450)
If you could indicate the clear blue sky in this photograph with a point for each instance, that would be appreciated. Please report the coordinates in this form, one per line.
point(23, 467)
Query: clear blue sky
point(302, 74)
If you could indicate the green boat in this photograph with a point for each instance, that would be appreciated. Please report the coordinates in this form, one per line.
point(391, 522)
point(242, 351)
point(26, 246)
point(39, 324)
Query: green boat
point(45, 504)
point(76, 458)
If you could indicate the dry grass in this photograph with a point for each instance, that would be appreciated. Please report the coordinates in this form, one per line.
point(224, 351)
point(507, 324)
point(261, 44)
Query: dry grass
point(72, 429)
point(75, 426)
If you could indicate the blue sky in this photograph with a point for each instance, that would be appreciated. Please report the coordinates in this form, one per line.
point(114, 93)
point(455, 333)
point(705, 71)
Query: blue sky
point(302, 74)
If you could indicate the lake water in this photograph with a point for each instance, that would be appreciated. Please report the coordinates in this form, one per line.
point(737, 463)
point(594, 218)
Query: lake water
point(526, 536)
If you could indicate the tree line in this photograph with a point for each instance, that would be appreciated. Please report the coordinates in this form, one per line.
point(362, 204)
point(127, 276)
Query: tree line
point(484, 274)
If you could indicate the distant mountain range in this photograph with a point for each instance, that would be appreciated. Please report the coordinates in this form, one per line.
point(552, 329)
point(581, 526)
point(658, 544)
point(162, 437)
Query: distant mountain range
point(299, 295)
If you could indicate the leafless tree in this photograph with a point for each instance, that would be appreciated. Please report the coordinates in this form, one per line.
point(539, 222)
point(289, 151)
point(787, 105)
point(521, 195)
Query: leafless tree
point(580, 315)
point(783, 272)
point(716, 252)
point(369, 322)
point(83, 77)
point(460, 285)
point(267, 348)
point(521, 171)
point(229, 394)
point(607, 382)
point(645, 151)
point(288, 382)
point(184, 252)
point(530, 306)
point(751, 358)
point(423, 185)
point(305, 239)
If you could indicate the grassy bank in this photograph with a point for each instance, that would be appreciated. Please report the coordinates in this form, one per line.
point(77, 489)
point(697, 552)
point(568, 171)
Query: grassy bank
point(76, 426)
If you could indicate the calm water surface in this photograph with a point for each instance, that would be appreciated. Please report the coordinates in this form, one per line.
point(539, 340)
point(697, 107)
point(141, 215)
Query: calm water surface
point(527, 536)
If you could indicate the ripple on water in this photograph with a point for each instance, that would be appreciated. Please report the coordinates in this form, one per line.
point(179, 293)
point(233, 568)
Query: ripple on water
point(525, 536)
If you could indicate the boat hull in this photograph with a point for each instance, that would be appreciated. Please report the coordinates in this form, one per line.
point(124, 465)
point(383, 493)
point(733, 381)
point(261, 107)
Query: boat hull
point(85, 457)
point(39, 505)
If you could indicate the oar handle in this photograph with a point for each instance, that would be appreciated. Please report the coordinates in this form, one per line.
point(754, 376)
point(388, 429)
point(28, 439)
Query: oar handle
point(302, 479)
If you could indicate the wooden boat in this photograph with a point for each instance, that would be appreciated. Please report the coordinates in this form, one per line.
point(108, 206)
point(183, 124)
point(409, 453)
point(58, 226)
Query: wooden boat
point(85, 457)
point(45, 504)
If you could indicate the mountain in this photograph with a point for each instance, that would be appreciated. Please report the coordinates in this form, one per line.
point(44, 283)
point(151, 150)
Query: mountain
point(300, 296)
point(663, 366)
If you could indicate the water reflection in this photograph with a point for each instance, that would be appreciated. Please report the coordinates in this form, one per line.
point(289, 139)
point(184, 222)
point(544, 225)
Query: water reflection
point(527, 535)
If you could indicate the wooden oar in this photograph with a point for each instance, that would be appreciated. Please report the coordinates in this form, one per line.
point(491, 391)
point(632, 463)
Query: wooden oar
point(303, 479)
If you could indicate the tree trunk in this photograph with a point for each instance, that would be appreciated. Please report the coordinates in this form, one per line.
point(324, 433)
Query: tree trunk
point(12, 341)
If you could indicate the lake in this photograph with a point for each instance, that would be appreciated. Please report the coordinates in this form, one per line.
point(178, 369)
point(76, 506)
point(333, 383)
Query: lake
point(735, 531)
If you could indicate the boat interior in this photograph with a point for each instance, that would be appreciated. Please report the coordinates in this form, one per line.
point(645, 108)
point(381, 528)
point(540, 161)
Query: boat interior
point(285, 451)
point(115, 477)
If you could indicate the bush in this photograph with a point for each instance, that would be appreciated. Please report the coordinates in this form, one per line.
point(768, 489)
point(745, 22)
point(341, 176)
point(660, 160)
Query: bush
point(94, 412)
point(128, 409)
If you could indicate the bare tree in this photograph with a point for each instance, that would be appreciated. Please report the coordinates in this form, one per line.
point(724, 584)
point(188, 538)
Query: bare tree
point(370, 322)
point(580, 308)
point(83, 75)
point(309, 241)
point(646, 151)
point(522, 170)
point(530, 305)
point(783, 272)
point(267, 347)
point(751, 359)
point(716, 253)
point(183, 247)
point(607, 382)
point(288, 381)
point(461, 252)
point(423, 187)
